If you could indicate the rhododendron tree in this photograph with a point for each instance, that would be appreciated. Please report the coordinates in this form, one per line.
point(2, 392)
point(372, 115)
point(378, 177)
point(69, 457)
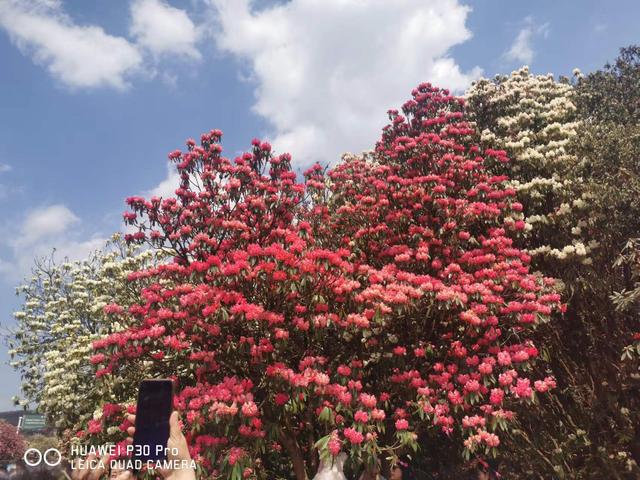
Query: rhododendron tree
point(352, 312)
point(495, 161)
point(61, 316)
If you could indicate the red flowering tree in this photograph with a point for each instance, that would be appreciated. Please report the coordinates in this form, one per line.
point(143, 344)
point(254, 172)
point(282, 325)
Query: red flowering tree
point(12, 445)
point(351, 312)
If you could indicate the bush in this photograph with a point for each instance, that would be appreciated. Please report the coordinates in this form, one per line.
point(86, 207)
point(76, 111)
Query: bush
point(12, 444)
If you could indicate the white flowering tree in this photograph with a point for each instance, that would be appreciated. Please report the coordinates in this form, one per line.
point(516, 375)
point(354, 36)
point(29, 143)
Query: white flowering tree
point(62, 314)
point(533, 118)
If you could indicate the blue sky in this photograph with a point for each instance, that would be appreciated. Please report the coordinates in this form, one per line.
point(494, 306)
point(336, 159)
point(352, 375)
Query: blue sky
point(93, 94)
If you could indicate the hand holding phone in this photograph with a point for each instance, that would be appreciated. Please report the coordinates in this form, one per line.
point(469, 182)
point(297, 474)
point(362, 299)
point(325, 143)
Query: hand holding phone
point(178, 450)
point(155, 398)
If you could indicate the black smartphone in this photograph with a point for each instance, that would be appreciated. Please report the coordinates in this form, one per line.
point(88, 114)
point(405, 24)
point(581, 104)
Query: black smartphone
point(155, 399)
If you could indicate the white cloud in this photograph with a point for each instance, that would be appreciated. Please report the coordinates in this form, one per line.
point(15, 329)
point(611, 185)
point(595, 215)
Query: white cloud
point(22, 261)
point(45, 222)
point(522, 50)
point(9, 188)
point(327, 72)
point(163, 29)
point(167, 187)
point(38, 234)
point(78, 56)
point(72, 249)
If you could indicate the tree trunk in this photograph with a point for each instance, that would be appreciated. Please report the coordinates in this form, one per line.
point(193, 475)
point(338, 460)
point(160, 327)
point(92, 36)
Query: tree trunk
point(297, 459)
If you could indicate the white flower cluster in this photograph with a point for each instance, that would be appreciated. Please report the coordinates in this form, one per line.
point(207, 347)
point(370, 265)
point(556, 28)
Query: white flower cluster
point(576, 250)
point(533, 118)
point(61, 316)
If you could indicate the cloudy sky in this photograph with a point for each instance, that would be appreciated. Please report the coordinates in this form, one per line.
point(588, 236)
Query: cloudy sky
point(93, 94)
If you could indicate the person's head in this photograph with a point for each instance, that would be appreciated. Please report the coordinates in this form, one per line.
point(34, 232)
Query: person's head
point(45, 474)
point(20, 474)
point(403, 469)
point(117, 472)
point(396, 473)
point(487, 475)
point(487, 469)
point(370, 473)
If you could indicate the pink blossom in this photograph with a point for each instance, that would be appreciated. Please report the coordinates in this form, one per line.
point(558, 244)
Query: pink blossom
point(472, 386)
point(522, 389)
point(249, 409)
point(378, 414)
point(497, 394)
point(354, 437)
point(361, 417)
point(334, 445)
point(368, 401)
point(402, 424)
